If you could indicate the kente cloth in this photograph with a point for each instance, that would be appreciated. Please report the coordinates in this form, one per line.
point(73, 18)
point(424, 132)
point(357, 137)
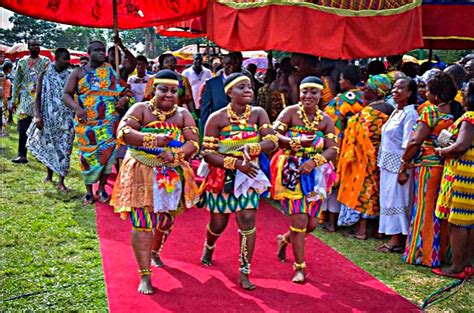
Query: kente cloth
point(327, 95)
point(96, 138)
point(358, 171)
point(427, 240)
point(25, 82)
point(52, 145)
point(456, 198)
point(221, 195)
point(436, 121)
point(298, 192)
point(342, 107)
point(144, 181)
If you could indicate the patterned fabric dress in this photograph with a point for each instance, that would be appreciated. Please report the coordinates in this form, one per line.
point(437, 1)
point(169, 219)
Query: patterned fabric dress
point(25, 83)
point(456, 198)
point(96, 138)
point(395, 199)
point(427, 236)
point(342, 107)
point(358, 171)
point(223, 194)
point(52, 145)
point(301, 194)
point(146, 187)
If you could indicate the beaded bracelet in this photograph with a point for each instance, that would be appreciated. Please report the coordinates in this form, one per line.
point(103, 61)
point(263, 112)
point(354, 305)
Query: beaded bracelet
point(319, 160)
point(277, 125)
point(149, 141)
point(273, 138)
point(265, 126)
point(229, 163)
point(193, 129)
point(295, 144)
point(254, 149)
point(195, 144)
point(331, 136)
point(178, 156)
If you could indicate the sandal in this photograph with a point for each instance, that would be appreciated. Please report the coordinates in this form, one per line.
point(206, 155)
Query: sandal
point(439, 271)
point(88, 199)
point(388, 248)
point(102, 197)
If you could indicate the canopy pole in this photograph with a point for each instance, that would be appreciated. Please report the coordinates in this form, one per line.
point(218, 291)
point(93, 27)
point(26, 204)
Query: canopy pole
point(208, 52)
point(116, 34)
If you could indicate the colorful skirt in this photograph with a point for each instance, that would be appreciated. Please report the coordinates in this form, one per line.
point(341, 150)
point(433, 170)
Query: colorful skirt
point(427, 236)
point(225, 203)
point(301, 206)
point(456, 199)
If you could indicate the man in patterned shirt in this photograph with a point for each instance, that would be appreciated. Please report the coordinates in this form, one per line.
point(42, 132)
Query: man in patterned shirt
point(24, 92)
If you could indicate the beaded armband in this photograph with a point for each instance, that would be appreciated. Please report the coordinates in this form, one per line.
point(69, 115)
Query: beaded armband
point(295, 144)
point(209, 144)
point(265, 126)
point(319, 160)
point(193, 129)
point(273, 138)
point(280, 126)
point(178, 156)
point(229, 163)
point(129, 116)
point(149, 141)
point(254, 149)
point(331, 136)
point(124, 130)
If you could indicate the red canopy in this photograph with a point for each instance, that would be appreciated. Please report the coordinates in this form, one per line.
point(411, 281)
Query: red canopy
point(334, 29)
point(447, 26)
point(99, 13)
point(19, 50)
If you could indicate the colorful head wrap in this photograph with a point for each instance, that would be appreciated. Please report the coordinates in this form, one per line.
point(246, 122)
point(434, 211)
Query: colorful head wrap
point(381, 84)
point(395, 75)
point(166, 77)
point(312, 82)
point(233, 80)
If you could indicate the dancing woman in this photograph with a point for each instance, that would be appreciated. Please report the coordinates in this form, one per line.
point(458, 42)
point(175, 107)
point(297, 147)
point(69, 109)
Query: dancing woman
point(301, 173)
point(235, 140)
point(155, 181)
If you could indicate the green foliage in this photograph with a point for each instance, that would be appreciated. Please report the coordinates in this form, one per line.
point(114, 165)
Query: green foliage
point(78, 38)
point(25, 28)
point(446, 56)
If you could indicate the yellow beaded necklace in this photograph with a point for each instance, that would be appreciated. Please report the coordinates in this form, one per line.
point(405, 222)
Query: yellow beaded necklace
point(312, 125)
point(243, 120)
point(160, 114)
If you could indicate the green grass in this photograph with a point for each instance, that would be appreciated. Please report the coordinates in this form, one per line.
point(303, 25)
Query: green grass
point(48, 240)
point(49, 245)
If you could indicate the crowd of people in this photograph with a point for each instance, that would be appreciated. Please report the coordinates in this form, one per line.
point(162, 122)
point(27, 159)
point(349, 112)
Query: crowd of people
point(386, 149)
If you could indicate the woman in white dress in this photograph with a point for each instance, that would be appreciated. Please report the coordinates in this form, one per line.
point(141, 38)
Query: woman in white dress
point(396, 193)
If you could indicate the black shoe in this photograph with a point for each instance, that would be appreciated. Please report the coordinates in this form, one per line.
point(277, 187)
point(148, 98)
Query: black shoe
point(20, 160)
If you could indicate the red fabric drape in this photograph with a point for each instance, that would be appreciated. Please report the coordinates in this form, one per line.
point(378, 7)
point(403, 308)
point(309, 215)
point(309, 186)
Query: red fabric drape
point(448, 26)
point(306, 30)
point(99, 13)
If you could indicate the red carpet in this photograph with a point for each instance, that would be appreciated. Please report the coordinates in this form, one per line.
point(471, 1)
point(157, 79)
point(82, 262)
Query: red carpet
point(335, 284)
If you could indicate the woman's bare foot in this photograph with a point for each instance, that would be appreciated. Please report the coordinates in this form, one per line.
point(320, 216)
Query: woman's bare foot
point(245, 282)
point(282, 244)
point(62, 187)
point(155, 260)
point(145, 286)
point(48, 180)
point(299, 277)
point(206, 258)
point(329, 227)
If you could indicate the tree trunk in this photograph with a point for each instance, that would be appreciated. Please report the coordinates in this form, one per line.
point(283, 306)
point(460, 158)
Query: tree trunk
point(150, 37)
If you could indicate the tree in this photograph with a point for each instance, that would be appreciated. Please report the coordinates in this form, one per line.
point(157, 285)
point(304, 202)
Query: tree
point(25, 28)
point(78, 38)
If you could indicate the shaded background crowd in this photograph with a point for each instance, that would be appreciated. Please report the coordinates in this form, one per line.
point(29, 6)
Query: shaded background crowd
point(405, 131)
